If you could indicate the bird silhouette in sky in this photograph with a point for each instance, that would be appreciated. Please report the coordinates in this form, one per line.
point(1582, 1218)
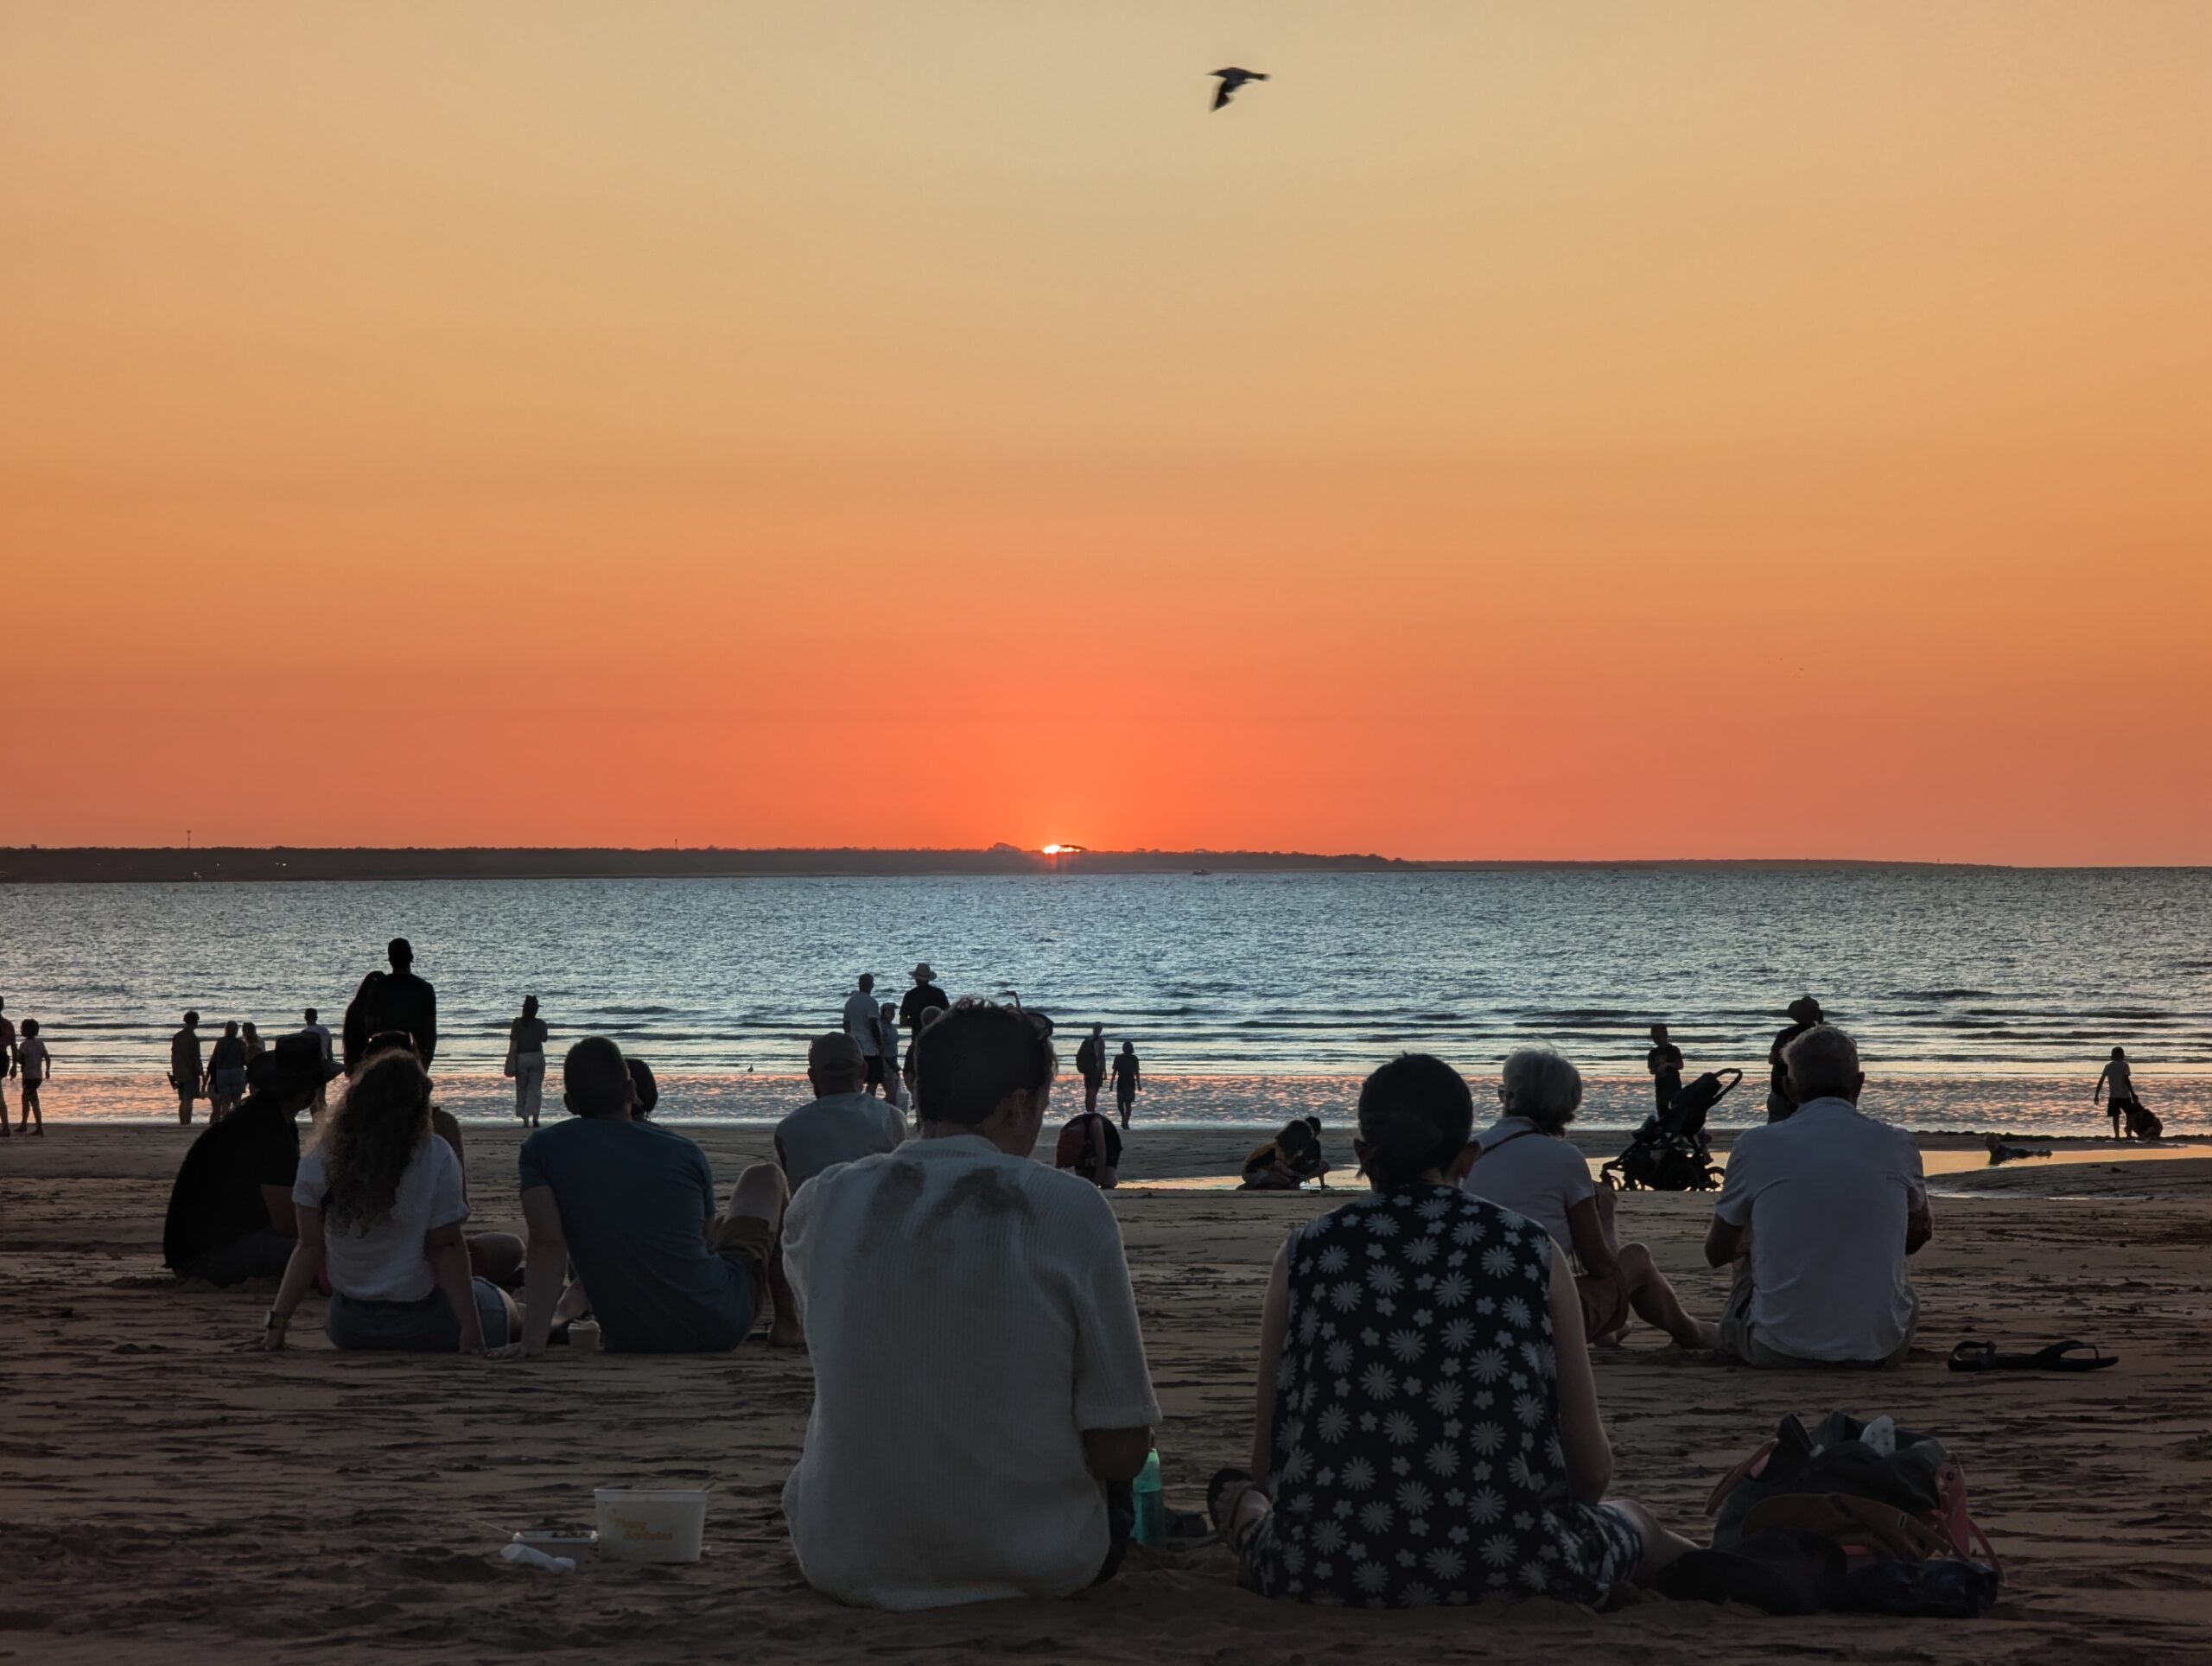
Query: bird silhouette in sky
point(1230, 81)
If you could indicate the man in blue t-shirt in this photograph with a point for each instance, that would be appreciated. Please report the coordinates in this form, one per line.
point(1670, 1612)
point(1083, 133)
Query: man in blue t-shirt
point(633, 1205)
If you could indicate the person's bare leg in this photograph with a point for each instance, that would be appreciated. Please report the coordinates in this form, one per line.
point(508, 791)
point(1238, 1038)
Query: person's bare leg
point(759, 1197)
point(1656, 1304)
point(1661, 1547)
point(785, 1330)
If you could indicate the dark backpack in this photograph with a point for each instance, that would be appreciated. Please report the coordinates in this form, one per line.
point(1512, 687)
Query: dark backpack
point(1908, 1503)
point(1086, 1059)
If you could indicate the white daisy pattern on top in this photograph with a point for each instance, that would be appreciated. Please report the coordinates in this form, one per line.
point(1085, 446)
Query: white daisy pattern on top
point(1382, 1523)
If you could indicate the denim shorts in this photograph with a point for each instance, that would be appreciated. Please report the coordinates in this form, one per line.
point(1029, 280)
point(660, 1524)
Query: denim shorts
point(425, 1326)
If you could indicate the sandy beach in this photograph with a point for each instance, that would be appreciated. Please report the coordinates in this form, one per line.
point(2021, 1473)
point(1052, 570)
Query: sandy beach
point(165, 1493)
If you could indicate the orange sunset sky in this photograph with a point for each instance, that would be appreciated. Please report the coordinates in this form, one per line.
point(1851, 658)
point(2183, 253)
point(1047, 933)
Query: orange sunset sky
point(1516, 430)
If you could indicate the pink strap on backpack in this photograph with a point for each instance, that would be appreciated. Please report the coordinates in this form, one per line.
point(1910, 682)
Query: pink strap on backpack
point(1752, 1466)
point(1953, 1520)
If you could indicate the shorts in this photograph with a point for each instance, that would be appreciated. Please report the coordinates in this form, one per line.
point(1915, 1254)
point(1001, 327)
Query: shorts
point(1739, 1346)
point(1605, 1305)
point(426, 1326)
point(230, 1083)
point(257, 1255)
point(874, 1061)
point(747, 1240)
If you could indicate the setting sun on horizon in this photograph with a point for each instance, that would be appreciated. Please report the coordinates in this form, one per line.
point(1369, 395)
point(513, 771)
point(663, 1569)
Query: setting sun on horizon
point(1518, 430)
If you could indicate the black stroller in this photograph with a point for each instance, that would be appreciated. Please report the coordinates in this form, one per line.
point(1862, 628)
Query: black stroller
point(1670, 1152)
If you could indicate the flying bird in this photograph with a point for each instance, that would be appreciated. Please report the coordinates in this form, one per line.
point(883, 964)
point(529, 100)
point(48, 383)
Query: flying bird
point(1230, 81)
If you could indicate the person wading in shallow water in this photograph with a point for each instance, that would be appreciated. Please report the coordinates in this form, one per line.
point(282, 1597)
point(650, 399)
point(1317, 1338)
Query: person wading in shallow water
point(2116, 1081)
point(1126, 1072)
point(1803, 1013)
point(1664, 1061)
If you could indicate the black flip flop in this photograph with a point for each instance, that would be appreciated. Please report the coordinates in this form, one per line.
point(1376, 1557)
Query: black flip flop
point(2068, 1356)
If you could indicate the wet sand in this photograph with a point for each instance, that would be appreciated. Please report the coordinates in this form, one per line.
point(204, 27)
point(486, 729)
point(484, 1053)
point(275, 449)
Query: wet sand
point(167, 1494)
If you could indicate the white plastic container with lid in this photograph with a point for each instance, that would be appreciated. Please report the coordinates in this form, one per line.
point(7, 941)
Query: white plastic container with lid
point(660, 1525)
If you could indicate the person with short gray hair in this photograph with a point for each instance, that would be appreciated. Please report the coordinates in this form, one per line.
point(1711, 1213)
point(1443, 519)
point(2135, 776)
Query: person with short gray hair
point(1525, 1163)
point(1819, 1213)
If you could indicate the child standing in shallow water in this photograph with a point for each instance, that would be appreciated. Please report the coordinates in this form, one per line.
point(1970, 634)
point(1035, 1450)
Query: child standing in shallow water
point(32, 1059)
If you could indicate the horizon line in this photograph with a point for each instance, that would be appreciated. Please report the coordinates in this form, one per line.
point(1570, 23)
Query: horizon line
point(68, 863)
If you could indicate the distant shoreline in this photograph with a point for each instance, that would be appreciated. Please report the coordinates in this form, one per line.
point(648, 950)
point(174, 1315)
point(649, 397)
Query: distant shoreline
point(234, 864)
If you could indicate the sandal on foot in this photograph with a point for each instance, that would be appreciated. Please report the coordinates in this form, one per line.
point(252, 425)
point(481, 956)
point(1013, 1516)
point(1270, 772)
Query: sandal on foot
point(1223, 1480)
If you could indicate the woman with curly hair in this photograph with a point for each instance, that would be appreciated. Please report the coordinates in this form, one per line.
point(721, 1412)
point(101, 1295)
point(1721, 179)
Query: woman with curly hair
point(379, 1206)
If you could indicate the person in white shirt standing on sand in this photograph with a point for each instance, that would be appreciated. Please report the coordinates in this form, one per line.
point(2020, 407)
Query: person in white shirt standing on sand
point(865, 1027)
point(1819, 1213)
point(981, 1399)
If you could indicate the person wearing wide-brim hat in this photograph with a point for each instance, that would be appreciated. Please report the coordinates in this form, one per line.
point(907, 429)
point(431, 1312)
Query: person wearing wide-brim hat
point(1803, 1013)
point(926, 997)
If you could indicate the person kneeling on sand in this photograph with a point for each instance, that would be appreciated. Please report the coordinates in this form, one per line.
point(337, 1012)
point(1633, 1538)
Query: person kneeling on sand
point(632, 1204)
point(380, 1204)
point(981, 1399)
point(1819, 1213)
point(1427, 1428)
point(1527, 1164)
point(1089, 1147)
point(841, 1124)
point(230, 1216)
point(1289, 1160)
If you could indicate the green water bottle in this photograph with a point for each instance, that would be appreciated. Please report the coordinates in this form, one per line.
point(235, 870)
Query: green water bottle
point(1152, 1510)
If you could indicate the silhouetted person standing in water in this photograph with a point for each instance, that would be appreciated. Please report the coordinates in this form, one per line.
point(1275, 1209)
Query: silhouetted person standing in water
point(1090, 1065)
point(924, 996)
point(1664, 1061)
point(1125, 1080)
point(225, 1073)
point(863, 1023)
point(1804, 1013)
point(396, 999)
point(7, 1043)
point(526, 1061)
point(2116, 1081)
point(185, 1073)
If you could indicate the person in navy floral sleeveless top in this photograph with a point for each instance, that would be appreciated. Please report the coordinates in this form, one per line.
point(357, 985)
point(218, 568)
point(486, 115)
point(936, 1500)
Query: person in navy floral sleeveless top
point(1428, 1430)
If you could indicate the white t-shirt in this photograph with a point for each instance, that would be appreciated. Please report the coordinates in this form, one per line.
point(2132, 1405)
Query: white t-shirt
point(841, 1127)
point(1526, 1170)
point(30, 1058)
point(860, 1022)
point(385, 1262)
point(321, 1033)
point(1827, 1195)
point(969, 1314)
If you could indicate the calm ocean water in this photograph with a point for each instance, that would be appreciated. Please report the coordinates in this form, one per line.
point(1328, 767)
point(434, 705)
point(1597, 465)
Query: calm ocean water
point(1996, 993)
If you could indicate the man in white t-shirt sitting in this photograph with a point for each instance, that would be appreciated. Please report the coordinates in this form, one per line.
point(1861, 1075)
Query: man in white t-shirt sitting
point(981, 1400)
point(1819, 1213)
point(841, 1125)
point(1525, 1163)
